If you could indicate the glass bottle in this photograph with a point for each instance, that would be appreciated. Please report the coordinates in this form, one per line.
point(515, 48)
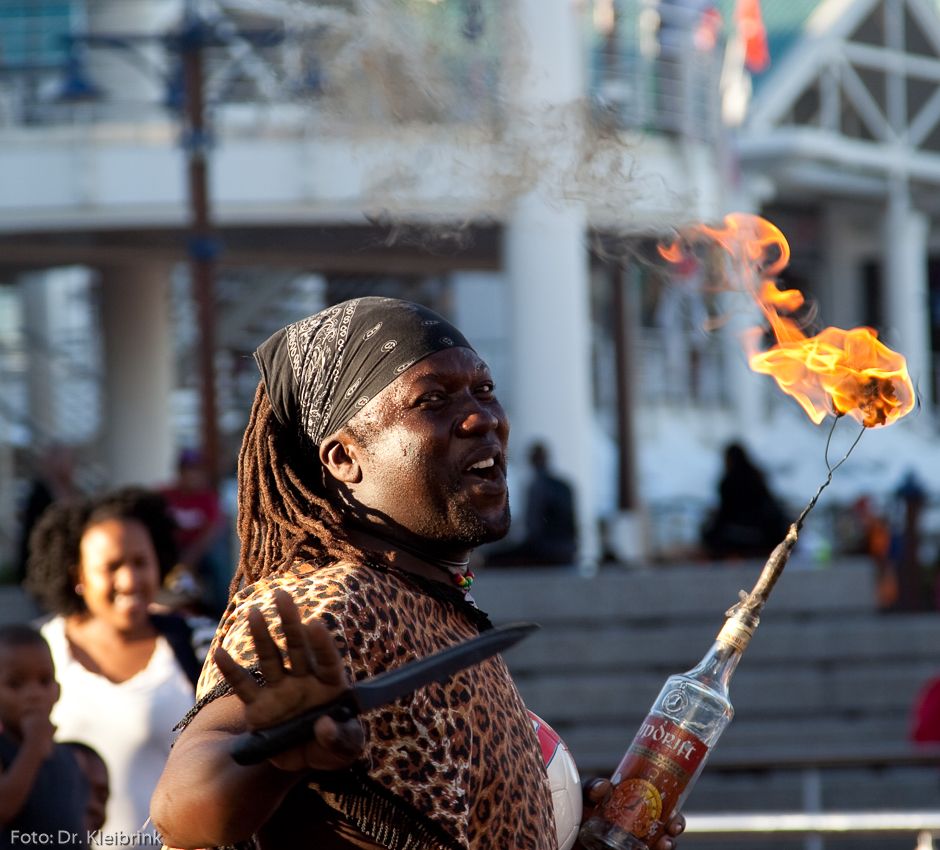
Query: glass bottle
point(671, 747)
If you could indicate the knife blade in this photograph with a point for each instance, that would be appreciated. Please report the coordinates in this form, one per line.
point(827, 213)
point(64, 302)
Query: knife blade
point(255, 747)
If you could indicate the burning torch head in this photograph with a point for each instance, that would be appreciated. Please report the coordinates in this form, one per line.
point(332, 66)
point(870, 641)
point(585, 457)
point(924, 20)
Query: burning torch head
point(834, 372)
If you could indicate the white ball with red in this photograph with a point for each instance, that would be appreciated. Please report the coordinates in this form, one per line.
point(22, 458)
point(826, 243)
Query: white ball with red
point(564, 781)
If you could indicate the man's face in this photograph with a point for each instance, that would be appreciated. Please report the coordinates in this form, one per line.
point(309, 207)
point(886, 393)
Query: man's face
point(433, 454)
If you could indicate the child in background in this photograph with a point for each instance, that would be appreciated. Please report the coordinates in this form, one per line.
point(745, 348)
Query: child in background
point(42, 788)
point(96, 775)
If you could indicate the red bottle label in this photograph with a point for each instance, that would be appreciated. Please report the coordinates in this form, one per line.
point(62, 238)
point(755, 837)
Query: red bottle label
point(652, 776)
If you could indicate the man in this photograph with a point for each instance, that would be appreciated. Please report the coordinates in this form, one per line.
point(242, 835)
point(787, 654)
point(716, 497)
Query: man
point(373, 464)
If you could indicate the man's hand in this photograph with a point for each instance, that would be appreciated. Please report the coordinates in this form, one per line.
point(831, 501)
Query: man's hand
point(315, 676)
point(596, 790)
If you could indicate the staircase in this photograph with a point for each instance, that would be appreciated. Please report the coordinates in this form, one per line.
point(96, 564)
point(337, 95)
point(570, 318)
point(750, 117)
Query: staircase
point(824, 672)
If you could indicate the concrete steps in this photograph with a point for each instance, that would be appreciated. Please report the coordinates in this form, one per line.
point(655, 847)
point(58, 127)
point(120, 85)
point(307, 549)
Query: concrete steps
point(824, 669)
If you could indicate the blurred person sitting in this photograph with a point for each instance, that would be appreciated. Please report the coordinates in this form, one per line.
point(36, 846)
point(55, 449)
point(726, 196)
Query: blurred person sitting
point(42, 787)
point(54, 482)
point(550, 528)
point(749, 521)
point(195, 507)
point(127, 675)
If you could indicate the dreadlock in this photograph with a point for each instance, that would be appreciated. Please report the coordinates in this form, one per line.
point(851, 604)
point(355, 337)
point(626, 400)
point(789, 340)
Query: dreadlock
point(283, 514)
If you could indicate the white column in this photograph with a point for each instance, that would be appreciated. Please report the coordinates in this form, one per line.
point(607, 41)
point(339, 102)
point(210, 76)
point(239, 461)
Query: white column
point(118, 74)
point(746, 389)
point(546, 260)
point(906, 295)
point(841, 301)
point(138, 360)
point(547, 263)
point(37, 326)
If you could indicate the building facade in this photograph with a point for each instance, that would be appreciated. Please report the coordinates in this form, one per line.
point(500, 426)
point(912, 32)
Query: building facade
point(511, 165)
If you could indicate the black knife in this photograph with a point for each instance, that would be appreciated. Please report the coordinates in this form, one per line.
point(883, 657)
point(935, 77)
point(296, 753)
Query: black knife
point(255, 747)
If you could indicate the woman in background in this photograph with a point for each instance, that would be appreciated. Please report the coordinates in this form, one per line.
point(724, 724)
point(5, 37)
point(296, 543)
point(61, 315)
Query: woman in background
point(127, 675)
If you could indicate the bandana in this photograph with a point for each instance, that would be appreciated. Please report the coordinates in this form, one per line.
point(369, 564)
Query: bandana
point(320, 372)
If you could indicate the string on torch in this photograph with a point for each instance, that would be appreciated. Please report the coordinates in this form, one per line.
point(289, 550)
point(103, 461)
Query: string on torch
point(753, 602)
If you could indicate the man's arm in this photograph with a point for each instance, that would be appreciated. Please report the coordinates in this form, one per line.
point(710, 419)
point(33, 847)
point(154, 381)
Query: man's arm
point(204, 798)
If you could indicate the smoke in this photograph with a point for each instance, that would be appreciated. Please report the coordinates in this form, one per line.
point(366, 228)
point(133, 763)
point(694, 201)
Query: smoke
point(430, 92)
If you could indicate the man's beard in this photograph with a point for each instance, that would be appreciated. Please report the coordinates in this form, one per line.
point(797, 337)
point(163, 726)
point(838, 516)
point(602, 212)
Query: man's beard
point(466, 526)
point(471, 530)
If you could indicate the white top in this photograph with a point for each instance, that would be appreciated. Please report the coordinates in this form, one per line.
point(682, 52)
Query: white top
point(129, 723)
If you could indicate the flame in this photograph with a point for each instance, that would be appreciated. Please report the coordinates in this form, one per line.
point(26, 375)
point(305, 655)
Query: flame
point(839, 372)
point(672, 253)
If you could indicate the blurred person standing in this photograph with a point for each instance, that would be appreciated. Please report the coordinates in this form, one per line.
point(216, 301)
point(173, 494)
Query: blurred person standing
point(197, 512)
point(127, 675)
point(53, 483)
point(876, 543)
point(551, 536)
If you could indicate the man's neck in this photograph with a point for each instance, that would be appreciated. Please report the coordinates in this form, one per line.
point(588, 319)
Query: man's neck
point(393, 550)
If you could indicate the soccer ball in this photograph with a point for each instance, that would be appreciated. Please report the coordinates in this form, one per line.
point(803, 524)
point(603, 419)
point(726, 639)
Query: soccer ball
point(564, 781)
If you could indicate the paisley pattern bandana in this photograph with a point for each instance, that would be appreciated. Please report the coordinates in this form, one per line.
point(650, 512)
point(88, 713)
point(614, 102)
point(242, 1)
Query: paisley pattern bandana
point(320, 372)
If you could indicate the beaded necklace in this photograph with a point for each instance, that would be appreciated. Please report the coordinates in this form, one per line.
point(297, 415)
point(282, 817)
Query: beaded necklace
point(458, 571)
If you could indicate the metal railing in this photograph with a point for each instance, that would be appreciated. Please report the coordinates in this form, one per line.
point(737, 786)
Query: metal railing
point(650, 74)
point(437, 66)
point(686, 367)
point(922, 826)
point(813, 824)
point(646, 75)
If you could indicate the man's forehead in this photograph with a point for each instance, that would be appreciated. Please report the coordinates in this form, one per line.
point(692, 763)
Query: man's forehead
point(446, 365)
point(453, 366)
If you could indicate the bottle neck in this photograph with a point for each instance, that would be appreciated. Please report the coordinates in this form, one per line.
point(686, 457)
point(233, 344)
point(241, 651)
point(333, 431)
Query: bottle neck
point(717, 667)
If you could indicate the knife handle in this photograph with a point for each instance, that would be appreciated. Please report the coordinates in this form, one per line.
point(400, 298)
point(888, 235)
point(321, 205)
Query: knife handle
point(255, 747)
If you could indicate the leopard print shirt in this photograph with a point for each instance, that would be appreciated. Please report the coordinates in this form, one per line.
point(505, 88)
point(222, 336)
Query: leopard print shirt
point(454, 765)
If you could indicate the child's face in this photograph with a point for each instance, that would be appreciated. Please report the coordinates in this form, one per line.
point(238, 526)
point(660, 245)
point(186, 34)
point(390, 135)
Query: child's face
point(96, 774)
point(27, 684)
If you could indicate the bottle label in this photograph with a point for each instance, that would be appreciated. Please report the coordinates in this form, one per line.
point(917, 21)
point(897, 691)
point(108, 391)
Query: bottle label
point(736, 633)
point(652, 776)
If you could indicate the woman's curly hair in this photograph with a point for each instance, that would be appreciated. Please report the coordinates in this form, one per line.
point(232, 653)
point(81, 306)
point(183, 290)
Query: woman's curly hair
point(54, 544)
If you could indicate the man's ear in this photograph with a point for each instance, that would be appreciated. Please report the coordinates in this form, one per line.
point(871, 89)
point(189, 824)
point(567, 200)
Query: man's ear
point(340, 456)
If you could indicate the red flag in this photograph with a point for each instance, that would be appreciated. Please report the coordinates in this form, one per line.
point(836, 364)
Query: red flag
point(708, 29)
point(751, 30)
